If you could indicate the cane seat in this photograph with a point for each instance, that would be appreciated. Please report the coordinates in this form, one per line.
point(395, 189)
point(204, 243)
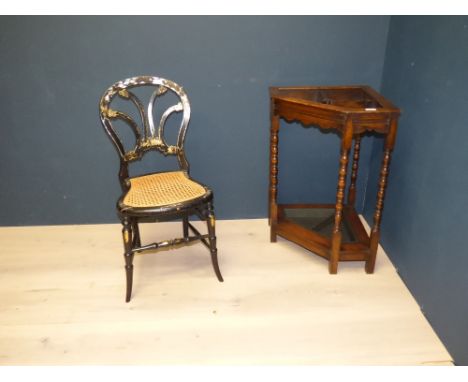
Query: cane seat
point(162, 189)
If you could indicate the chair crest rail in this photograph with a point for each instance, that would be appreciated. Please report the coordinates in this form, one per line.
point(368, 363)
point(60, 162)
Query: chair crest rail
point(148, 136)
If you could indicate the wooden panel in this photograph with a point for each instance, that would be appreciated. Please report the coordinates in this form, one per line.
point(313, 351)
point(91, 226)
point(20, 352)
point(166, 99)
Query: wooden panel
point(313, 246)
point(286, 226)
point(295, 112)
point(353, 255)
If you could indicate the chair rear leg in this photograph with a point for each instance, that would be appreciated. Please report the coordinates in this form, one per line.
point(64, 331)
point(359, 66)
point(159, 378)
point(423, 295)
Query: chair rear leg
point(212, 238)
point(185, 226)
point(128, 255)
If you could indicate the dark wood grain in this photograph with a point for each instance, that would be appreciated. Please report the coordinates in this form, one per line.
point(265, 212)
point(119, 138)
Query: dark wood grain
point(273, 209)
point(340, 193)
point(384, 170)
point(354, 171)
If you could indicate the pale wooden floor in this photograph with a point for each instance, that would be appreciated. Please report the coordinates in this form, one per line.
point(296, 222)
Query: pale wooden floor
point(62, 302)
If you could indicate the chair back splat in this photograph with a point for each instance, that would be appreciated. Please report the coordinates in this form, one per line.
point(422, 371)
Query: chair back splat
point(148, 136)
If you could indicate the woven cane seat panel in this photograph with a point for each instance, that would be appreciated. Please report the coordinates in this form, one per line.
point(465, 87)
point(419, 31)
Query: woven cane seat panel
point(162, 189)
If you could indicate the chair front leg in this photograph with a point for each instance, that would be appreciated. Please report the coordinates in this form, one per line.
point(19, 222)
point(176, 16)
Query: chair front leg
point(136, 233)
point(128, 255)
point(212, 238)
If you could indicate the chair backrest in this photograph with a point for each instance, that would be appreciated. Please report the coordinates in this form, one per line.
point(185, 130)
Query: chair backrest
point(147, 135)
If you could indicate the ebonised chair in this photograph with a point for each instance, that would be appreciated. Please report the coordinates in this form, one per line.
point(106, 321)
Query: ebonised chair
point(157, 196)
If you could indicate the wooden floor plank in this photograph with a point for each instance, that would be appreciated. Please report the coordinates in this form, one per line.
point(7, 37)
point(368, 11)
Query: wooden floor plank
point(62, 302)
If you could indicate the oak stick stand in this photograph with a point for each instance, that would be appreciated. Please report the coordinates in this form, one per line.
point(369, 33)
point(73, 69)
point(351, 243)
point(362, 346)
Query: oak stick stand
point(333, 231)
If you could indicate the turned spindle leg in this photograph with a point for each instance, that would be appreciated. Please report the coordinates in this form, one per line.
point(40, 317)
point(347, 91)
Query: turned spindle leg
point(346, 141)
point(128, 255)
point(354, 171)
point(375, 233)
point(384, 169)
point(336, 237)
point(273, 208)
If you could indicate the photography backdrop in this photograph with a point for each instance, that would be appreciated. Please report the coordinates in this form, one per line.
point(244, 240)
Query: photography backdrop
point(425, 220)
point(57, 164)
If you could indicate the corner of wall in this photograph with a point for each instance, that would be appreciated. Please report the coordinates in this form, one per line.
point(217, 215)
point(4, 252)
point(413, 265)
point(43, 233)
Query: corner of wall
point(371, 174)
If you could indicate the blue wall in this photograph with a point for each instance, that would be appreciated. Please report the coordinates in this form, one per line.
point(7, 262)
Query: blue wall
point(425, 221)
point(58, 167)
